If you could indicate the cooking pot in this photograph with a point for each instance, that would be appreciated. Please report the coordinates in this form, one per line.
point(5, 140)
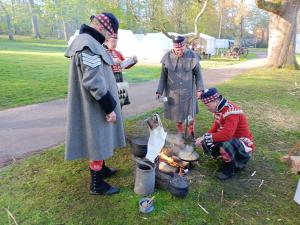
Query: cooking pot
point(178, 186)
point(162, 179)
point(139, 146)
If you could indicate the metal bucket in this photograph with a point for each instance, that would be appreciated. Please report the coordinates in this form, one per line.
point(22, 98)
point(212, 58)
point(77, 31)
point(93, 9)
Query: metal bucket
point(144, 177)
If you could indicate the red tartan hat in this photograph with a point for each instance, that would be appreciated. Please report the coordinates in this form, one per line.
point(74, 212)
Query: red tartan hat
point(109, 21)
point(209, 95)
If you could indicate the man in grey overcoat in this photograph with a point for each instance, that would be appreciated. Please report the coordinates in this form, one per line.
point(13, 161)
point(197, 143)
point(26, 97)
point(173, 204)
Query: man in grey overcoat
point(182, 83)
point(94, 120)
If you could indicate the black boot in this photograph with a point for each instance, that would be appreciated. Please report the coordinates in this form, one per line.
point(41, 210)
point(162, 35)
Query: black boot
point(106, 171)
point(226, 171)
point(99, 186)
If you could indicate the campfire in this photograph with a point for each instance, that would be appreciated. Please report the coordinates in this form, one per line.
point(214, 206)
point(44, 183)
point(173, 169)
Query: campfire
point(169, 162)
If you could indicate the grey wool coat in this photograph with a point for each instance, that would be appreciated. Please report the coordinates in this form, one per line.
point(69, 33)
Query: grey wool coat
point(180, 78)
point(92, 92)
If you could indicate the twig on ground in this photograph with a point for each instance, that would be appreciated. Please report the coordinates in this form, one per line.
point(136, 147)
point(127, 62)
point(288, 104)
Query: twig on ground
point(253, 173)
point(203, 208)
point(240, 216)
point(261, 183)
point(222, 196)
point(11, 215)
point(250, 179)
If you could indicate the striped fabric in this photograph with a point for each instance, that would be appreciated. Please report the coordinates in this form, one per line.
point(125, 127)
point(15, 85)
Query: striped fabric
point(178, 45)
point(104, 20)
point(91, 60)
point(236, 151)
point(116, 67)
point(210, 98)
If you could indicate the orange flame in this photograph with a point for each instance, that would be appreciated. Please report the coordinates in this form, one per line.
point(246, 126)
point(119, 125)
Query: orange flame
point(164, 157)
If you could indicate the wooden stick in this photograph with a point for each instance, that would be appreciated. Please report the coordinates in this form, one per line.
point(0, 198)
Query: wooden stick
point(203, 208)
point(222, 196)
point(11, 215)
point(261, 183)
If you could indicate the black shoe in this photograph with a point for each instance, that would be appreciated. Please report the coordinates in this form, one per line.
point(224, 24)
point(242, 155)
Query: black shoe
point(99, 186)
point(107, 172)
point(226, 172)
point(238, 169)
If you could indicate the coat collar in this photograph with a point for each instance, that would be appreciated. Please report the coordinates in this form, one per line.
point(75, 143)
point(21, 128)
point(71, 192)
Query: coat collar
point(85, 29)
point(85, 40)
point(221, 104)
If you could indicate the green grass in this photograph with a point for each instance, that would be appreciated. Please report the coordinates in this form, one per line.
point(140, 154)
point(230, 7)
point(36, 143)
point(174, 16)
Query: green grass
point(45, 189)
point(217, 61)
point(34, 71)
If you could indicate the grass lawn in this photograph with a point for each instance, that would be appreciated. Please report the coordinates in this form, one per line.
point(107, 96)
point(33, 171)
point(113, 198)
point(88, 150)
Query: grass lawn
point(44, 189)
point(34, 71)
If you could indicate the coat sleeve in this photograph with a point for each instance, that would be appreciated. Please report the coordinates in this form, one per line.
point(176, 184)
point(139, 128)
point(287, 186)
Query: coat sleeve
point(93, 80)
point(230, 126)
point(213, 128)
point(198, 77)
point(162, 80)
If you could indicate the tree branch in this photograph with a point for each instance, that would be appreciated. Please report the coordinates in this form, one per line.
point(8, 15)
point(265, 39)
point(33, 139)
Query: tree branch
point(160, 27)
point(3, 8)
point(199, 16)
point(269, 6)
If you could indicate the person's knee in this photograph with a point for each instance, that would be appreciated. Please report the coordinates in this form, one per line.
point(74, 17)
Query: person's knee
point(226, 157)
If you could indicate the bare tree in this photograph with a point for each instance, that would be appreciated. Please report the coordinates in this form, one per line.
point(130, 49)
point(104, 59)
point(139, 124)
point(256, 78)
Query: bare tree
point(8, 21)
point(282, 32)
point(160, 24)
point(35, 25)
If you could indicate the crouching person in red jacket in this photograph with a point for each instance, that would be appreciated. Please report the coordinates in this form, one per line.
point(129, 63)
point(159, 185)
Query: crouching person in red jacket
point(229, 138)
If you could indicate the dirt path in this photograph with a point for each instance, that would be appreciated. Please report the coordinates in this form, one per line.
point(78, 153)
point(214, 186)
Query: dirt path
point(32, 128)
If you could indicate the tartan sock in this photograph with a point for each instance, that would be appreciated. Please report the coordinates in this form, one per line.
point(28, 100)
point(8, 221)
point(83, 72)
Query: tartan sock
point(180, 127)
point(191, 127)
point(96, 165)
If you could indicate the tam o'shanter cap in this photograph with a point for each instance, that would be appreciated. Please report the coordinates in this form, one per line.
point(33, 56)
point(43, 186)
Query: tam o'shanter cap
point(209, 95)
point(109, 21)
point(178, 42)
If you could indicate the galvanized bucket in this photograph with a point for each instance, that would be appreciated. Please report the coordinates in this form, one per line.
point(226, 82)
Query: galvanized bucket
point(144, 177)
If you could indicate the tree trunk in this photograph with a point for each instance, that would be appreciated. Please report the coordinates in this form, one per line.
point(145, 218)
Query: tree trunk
point(34, 21)
point(9, 31)
point(65, 28)
point(282, 40)
point(8, 22)
point(282, 33)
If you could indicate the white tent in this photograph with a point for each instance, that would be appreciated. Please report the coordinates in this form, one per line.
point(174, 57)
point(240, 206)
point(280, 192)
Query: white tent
point(206, 43)
point(210, 47)
point(153, 47)
point(128, 44)
point(298, 43)
point(222, 43)
point(139, 37)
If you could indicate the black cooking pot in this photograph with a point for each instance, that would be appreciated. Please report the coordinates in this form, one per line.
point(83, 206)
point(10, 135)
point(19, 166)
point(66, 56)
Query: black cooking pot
point(139, 146)
point(162, 179)
point(178, 186)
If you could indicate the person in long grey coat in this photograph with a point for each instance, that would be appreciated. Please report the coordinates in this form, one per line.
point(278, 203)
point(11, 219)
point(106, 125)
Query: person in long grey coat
point(182, 83)
point(94, 119)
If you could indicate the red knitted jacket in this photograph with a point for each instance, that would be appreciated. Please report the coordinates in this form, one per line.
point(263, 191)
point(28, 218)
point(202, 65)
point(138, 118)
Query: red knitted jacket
point(230, 122)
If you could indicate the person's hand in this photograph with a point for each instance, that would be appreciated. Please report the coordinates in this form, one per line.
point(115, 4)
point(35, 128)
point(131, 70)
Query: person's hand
point(198, 94)
point(111, 118)
point(199, 140)
point(158, 95)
